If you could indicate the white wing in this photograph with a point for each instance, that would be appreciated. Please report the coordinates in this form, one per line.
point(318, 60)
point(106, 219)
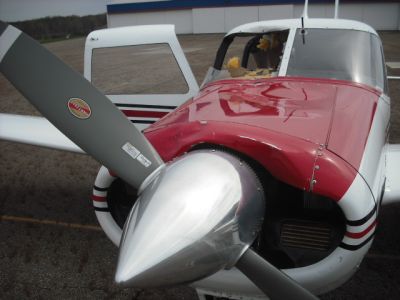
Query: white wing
point(392, 184)
point(35, 131)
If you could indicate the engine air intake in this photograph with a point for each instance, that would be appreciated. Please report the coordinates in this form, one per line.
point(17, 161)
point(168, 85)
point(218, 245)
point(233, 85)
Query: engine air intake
point(306, 235)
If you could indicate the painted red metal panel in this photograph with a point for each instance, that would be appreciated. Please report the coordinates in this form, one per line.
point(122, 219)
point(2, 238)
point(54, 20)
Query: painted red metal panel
point(299, 109)
point(283, 123)
point(354, 112)
point(287, 158)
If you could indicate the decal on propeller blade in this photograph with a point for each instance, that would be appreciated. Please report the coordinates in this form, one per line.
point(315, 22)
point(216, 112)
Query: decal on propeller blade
point(79, 108)
point(135, 154)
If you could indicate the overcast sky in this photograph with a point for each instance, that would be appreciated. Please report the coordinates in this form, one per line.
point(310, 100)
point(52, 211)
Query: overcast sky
point(20, 10)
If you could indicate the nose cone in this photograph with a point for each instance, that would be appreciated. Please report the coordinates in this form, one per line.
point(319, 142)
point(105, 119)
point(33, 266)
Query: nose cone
point(198, 216)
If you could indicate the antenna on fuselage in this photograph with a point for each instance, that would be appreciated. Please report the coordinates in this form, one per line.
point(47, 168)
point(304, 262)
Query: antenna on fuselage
point(304, 16)
point(336, 9)
point(305, 11)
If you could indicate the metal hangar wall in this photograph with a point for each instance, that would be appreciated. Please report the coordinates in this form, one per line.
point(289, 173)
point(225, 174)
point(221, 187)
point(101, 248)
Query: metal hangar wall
point(216, 16)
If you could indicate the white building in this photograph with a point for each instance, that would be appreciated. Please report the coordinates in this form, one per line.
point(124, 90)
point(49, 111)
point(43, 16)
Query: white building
point(212, 16)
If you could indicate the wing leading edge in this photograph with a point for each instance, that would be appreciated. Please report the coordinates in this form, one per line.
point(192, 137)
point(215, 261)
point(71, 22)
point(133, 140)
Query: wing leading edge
point(392, 184)
point(36, 131)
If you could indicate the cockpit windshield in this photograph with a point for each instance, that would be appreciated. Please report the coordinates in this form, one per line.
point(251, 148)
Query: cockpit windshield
point(338, 54)
point(343, 54)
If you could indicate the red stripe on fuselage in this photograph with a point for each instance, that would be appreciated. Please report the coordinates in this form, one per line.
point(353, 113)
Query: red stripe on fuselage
point(99, 198)
point(359, 235)
point(144, 113)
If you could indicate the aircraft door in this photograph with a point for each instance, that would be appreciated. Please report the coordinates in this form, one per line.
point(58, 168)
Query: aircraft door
point(142, 69)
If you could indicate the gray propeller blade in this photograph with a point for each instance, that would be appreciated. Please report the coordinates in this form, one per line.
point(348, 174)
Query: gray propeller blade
point(75, 107)
point(274, 283)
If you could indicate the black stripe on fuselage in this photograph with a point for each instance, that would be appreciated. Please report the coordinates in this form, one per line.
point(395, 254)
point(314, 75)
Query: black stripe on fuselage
point(142, 121)
point(105, 209)
point(363, 220)
point(99, 189)
point(356, 247)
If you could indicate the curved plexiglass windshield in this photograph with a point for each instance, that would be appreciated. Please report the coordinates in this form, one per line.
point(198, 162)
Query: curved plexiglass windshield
point(338, 54)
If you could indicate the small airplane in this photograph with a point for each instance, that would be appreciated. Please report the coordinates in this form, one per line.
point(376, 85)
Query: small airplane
point(266, 181)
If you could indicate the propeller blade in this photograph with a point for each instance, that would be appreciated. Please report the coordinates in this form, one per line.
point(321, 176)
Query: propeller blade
point(75, 107)
point(273, 282)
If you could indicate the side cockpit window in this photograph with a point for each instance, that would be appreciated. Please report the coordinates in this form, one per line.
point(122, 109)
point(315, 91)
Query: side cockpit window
point(139, 69)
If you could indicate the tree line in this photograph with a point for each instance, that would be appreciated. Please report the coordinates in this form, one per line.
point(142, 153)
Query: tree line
point(61, 27)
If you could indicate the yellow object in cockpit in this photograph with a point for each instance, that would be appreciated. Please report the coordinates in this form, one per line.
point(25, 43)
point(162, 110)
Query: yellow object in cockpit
point(264, 43)
point(233, 63)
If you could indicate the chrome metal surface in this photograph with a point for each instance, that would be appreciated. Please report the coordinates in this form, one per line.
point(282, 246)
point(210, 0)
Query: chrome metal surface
point(198, 216)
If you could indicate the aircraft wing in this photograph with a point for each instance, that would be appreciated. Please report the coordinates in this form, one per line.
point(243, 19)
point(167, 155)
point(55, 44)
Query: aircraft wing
point(36, 131)
point(392, 184)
